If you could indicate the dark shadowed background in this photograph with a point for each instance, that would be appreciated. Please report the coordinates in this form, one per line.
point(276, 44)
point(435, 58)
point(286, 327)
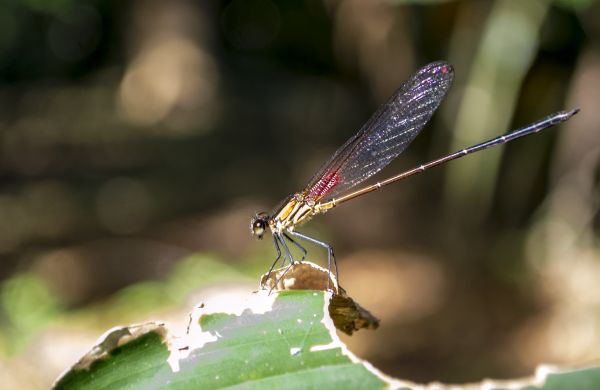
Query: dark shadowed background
point(138, 138)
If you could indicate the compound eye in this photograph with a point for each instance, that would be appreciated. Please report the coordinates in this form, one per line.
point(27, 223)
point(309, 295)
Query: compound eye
point(259, 228)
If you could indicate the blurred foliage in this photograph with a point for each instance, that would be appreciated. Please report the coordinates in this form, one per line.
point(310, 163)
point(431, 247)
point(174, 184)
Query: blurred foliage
point(134, 135)
point(28, 305)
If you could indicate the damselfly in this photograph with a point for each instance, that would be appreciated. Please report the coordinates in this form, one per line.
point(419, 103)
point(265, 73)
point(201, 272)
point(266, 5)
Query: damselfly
point(387, 134)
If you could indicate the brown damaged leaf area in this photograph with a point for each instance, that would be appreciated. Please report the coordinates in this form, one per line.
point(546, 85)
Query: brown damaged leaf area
point(300, 276)
point(117, 337)
point(348, 316)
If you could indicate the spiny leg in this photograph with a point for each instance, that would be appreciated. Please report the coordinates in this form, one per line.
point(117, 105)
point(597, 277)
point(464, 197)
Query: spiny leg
point(286, 249)
point(330, 255)
point(288, 253)
point(276, 260)
point(304, 252)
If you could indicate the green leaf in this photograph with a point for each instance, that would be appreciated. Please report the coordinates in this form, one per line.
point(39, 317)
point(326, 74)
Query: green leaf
point(280, 340)
point(286, 339)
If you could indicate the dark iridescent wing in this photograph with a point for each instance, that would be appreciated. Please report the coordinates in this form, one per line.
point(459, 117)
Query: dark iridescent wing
point(387, 133)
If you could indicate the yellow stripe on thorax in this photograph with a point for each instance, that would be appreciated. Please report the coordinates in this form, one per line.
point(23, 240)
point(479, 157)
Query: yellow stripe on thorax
point(294, 212)
point(288, 209)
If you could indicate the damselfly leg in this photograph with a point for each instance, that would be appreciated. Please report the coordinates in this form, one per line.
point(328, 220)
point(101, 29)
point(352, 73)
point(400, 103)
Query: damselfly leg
point(288, 254)
point(276, 242)
point(330, 255)
point(279, 240)
point(300, 247)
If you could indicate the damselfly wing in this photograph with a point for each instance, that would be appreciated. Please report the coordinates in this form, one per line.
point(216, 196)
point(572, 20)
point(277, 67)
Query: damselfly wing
point(385, 135)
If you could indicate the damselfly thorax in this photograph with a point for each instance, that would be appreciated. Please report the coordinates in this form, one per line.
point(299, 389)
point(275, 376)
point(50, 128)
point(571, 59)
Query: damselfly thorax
point(296, 210)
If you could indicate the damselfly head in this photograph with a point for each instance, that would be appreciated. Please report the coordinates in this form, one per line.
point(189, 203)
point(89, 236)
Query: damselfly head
point(258, 224)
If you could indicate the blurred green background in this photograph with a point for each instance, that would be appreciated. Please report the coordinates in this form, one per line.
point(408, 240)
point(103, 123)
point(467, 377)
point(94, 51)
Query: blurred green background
point(138, 138)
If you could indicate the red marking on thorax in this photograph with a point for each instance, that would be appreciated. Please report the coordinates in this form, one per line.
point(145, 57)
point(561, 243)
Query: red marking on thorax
point(324, 185)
